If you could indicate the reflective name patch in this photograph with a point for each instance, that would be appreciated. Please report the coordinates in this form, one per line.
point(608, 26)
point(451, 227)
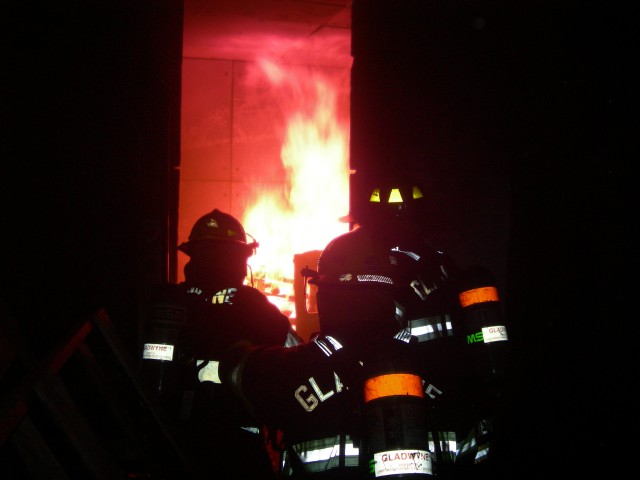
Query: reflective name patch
point(402, 462)
point(157, 351)
point(497, 333)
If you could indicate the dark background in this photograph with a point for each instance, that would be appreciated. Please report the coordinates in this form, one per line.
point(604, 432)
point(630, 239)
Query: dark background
point(543, 95)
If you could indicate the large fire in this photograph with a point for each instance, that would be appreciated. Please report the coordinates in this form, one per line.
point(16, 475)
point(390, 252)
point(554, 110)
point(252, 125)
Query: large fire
point(305, 216)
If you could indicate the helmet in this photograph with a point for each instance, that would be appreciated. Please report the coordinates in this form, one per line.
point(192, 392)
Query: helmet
point(396, 200)
point(356, 282)
point(214, 228)
point(389, 198)
point(355, 259)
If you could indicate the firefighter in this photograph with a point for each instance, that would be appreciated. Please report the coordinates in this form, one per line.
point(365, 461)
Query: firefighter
point(309, 393)
point(191, 325)
point(393, 439)
point(315, 393)
point(454, 315)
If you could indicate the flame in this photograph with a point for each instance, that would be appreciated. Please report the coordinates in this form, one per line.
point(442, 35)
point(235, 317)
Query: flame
point(305, 215)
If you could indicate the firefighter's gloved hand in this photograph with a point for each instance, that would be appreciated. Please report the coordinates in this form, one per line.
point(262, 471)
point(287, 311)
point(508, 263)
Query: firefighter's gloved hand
point(219, 371)
point(232, 360)
point(208, 371)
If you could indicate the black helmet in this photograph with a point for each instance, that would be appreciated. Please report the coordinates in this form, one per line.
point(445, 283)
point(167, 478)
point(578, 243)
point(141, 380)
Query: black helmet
point(214, 228)
point(355, 259)
point(356, 282)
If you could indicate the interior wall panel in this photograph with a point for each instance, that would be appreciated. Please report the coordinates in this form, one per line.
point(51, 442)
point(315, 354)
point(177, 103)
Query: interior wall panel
point(206, 120)
point(234, 125)
point(258, 126)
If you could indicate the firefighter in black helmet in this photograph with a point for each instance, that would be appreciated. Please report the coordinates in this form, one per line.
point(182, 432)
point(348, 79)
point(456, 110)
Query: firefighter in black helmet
point(359, 280)
point(313, 392)
point(190, 327)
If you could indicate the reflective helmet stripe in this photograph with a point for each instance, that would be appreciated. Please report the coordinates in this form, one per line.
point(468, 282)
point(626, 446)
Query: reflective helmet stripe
point(395, 194)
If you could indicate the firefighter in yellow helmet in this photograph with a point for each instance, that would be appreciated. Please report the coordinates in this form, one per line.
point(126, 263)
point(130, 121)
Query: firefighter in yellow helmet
point(455, 317)
point(191, 325)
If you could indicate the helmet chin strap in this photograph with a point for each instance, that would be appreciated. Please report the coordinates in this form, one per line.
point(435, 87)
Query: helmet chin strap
point(250, 270)
point(253, 245)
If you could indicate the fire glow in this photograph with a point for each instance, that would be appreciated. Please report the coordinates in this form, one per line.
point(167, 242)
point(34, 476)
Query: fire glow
point(303, 216)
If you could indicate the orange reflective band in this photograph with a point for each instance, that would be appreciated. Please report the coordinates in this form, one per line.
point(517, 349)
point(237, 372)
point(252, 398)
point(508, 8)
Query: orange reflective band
point(478, 295)
point(393, 384)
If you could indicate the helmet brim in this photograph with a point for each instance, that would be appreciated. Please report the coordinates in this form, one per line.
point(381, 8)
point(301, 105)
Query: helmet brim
point(191, 246)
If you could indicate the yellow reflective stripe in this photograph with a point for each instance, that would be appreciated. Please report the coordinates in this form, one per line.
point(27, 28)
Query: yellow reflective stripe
point(478, 295)
point(375, 196)
point(395, 196)
point(393, 384)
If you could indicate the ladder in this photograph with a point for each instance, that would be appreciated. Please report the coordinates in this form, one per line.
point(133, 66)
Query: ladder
point(80, 410)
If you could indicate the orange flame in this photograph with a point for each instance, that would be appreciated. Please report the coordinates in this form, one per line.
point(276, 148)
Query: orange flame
point(315, 157)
